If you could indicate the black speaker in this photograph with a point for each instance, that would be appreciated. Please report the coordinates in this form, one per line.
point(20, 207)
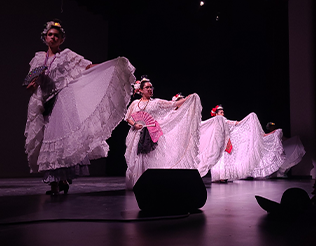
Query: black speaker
point(170, 190)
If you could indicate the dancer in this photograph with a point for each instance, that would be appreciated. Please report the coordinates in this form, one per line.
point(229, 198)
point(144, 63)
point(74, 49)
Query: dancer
point(214, 140)
point(294, 151)
point(160, 136)
point(238, 149)
point(74, 107)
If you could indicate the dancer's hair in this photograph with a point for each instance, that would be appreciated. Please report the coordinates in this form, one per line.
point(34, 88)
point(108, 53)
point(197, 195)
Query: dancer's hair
point(143, 79)
point(55, 23)
point(216, 109)
point(139, 84)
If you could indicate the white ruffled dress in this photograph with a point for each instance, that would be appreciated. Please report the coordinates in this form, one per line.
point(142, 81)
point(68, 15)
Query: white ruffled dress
point(213, 141)
point(89, 105)
point(253, 154)
point(294, 152)
point(177, 147)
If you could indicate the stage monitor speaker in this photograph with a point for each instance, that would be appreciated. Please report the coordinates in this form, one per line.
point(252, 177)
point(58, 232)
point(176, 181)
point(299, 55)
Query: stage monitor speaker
point(170, 189)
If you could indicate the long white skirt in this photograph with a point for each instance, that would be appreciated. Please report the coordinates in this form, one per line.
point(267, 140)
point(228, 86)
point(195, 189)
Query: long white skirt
point(294, 152)
point(84, 116)
point(253, 154)
point(213, 141)
point(177, 147)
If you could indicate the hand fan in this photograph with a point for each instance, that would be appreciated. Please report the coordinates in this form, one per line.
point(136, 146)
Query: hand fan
point(145, 119)
point(33, 74)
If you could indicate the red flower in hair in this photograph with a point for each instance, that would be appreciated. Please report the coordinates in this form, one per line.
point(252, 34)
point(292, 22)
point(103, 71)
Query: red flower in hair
point(177, 97)
point(213, 112)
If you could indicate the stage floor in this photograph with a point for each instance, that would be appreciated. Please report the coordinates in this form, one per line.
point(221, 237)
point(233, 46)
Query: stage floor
point(99, 211)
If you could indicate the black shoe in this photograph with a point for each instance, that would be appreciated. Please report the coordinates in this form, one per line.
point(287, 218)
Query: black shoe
point(54, 189)
point(63, 186)
point(49, 192)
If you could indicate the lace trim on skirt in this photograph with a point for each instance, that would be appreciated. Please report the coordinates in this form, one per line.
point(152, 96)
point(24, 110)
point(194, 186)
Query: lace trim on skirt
point(69, 173)
point(89, 138)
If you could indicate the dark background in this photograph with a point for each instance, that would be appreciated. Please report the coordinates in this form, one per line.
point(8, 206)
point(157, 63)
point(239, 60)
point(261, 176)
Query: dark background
point(239, 61)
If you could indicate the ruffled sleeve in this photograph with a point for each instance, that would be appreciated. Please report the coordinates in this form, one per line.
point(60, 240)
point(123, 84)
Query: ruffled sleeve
point(163, 107)
point(231, 123)
point(67, 67)
point(164, 104)
point(38, 60)
point(131, 110)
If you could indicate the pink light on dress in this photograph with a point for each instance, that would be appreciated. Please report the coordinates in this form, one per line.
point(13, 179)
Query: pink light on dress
point(145, 119)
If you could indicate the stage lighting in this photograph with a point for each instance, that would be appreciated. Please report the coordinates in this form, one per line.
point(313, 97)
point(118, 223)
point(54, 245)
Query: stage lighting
point(201, 3)
point(217, 16)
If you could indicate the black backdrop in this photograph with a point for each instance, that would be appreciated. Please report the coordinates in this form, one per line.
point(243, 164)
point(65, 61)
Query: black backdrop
point(241, 60)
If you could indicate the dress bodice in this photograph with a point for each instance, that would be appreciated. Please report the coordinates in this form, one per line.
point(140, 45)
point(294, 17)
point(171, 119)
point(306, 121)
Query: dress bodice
point(66, 66)
point(157, 108)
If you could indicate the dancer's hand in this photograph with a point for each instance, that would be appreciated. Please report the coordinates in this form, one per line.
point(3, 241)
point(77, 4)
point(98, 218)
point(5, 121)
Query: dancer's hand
point(266, 134)
point(138, 126)
point(90, 66)
point(32, 86)
point(181, 101)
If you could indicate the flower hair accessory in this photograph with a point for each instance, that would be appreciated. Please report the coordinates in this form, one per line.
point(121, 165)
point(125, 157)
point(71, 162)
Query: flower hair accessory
point(218, 107)
point(136, 86)
point(177, 97)
point(144, 78)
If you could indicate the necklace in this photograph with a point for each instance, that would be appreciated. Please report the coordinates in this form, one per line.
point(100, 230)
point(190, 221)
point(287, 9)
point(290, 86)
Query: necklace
point(142, 109)
point(46, 60)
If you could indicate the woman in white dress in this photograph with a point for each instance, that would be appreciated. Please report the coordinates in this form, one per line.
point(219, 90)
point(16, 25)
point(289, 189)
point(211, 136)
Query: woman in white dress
point(240, 149)
point(294, 152)
point(170, 139)
point(73, 109)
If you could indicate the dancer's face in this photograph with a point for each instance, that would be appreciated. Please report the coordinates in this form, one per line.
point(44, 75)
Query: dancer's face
point(53, 38)
point(220, 112)
point(271, 128)
point(147, 90)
